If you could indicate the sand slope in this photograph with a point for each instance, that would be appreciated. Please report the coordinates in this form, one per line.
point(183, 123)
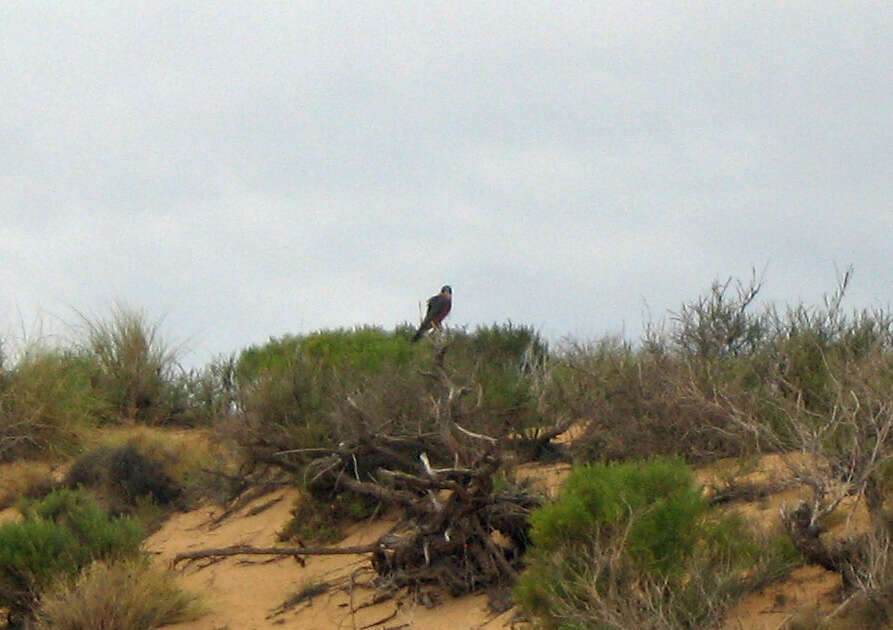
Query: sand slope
point(248, 593)
point(245, 594)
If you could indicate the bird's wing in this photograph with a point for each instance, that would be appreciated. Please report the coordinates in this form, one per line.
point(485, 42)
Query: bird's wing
point(435, 306)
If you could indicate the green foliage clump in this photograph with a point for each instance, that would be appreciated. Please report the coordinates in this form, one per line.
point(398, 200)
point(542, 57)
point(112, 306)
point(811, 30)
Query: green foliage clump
point(126, 594)
point(634, 545)
point(58, 536)
point(508, 365)
point(655, 506)
point(365, 350)
point(290, 388)
point(341, 353)
point(308, 392)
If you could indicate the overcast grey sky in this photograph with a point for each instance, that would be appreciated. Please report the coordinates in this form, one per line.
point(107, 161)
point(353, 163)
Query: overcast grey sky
point(246, 169)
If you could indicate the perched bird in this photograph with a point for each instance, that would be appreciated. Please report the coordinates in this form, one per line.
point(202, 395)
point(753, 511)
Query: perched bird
point(438, 308)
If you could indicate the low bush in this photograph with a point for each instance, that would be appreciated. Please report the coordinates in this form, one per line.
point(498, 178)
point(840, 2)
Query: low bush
point(126, 594)
point(291, 389)
point(634, 545)
point(123, 476)
point(58, 536)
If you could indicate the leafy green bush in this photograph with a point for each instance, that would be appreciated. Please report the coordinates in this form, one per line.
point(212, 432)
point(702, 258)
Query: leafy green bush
point(656, 506)
point(633, 545)
point(307, 392)
point(58, 536)
point(126, 594)
point(508, 367)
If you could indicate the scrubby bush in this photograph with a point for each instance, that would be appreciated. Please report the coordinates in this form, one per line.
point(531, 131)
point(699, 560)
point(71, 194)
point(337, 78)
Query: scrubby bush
point(722, 379)
point(126, 594)
point(123, 476)
point(46, 403)
point(320, 519)
point(303, 397)
point(58, 536)
point(634, 545)
point(290, 389)
point(136, 367)
point(202, 396)
point(300, 392)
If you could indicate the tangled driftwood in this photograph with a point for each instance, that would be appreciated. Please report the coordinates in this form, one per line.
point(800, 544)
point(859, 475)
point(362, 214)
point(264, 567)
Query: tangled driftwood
point(459, 528)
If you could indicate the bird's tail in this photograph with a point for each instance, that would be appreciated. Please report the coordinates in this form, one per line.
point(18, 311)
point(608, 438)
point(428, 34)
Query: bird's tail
point(418, 334)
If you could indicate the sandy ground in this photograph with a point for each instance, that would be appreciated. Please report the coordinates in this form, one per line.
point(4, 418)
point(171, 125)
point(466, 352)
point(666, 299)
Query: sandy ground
point(248, 594)
point(771, 608)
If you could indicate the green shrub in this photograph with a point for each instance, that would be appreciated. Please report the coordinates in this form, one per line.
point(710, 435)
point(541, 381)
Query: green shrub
point(508, 366)
point(124, 594)
point(656, 506)
point(363, 351)
point(291, 388)
point(633, 545)
point(58, 536)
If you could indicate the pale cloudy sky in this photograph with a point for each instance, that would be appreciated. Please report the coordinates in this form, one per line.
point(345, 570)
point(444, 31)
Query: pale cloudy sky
point(247, 169)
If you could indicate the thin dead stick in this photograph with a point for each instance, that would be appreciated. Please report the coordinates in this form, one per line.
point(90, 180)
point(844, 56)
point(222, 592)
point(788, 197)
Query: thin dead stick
point(479, 436)
point(382, 620)
point(245, 550)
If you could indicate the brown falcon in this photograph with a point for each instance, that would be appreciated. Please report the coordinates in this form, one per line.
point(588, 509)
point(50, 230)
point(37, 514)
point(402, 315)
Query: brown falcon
point(438, 308)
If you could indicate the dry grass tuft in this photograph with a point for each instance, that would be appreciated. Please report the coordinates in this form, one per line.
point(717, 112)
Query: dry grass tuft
point(24, 479)
point(123, 595)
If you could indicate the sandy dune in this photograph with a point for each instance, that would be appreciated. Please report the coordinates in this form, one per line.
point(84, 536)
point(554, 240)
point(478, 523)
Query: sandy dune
point(247, 594)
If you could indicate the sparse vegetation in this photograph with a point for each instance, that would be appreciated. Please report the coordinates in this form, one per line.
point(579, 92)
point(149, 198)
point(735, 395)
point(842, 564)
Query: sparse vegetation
point(135, 365)
point(58, 536)
point(24, 479)
point(348, 413)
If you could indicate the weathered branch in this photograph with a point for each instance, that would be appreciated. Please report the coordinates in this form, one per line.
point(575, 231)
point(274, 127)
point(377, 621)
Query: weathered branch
point(246, 550)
